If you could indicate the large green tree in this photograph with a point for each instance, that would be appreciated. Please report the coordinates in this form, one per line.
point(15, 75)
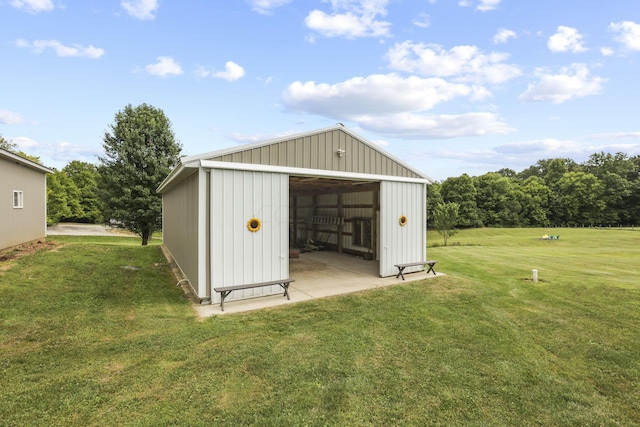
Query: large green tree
point(140, 151)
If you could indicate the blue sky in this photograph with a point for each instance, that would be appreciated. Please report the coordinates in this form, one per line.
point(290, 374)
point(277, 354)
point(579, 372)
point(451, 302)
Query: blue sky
point(448, 86)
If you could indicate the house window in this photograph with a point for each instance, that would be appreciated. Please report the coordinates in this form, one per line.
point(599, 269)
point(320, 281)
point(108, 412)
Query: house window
point(17, 199)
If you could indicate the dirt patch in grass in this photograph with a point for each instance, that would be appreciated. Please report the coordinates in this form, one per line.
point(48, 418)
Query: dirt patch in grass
point(27, 249)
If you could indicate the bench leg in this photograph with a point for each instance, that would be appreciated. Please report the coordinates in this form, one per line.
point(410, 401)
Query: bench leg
point(285, 286)
point(223, 295)
point(400, 270)
point(431, 269)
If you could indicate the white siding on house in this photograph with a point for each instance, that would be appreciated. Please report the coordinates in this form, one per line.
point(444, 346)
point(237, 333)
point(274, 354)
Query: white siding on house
point(402, 244)
point(239, 256)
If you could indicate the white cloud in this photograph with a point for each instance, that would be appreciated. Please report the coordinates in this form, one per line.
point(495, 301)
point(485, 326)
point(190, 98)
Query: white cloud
point(10, 118)
point(616, 135)
point(429, 126)
point(476, 158)
point(265, 7)
point(394, 105)
point(164, 67)
point(141, 9)
point(551, 147)
point(464, 63)
point(628, 33)
point(483, 5)
point(606, 51)
point(74, 50)
point(540, 146)
point(33, 6)
point(566, 39)
point(486, 5)
point(503, 35)
point(571, 82)
point(377, 94)
point(423, 20)
point(232, 72)
point(479, 93)
point(57, 153)
point(25, 143)
point(350, 19)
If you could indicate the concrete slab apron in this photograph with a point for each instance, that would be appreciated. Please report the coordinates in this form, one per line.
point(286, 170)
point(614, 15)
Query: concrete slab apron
point(319, 275)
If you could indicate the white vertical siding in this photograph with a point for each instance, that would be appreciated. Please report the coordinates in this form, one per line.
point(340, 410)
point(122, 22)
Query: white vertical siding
point(401, 244)
point(202, 230)
point(239, 256)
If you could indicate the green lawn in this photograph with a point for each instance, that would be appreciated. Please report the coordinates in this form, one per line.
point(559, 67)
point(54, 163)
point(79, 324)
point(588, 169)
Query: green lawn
point(95, 332)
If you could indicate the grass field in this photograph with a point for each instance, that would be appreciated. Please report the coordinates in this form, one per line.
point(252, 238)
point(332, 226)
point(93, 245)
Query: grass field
point(94, 332)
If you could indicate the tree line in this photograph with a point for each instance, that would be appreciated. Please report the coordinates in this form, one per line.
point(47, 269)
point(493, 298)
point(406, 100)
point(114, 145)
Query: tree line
point(602, 191)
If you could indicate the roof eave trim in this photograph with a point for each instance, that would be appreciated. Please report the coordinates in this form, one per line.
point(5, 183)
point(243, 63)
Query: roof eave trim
point(319, 173)
point(25, 162)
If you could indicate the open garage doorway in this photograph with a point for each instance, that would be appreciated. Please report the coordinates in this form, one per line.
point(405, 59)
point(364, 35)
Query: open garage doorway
point(337, 215)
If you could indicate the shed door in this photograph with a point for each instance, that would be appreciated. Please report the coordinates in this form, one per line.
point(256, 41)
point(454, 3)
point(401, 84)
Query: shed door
point(240, 255)
point(402, 243)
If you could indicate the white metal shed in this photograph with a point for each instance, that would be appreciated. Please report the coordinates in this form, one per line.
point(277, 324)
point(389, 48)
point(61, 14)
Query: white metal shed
point(231, 216)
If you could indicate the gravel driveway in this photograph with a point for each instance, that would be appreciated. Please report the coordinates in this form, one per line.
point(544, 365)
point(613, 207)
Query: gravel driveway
point(72, 229)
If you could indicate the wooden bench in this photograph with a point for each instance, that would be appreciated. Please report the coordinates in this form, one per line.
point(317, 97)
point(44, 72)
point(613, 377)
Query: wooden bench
point(401, 267)
point(226, 290)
